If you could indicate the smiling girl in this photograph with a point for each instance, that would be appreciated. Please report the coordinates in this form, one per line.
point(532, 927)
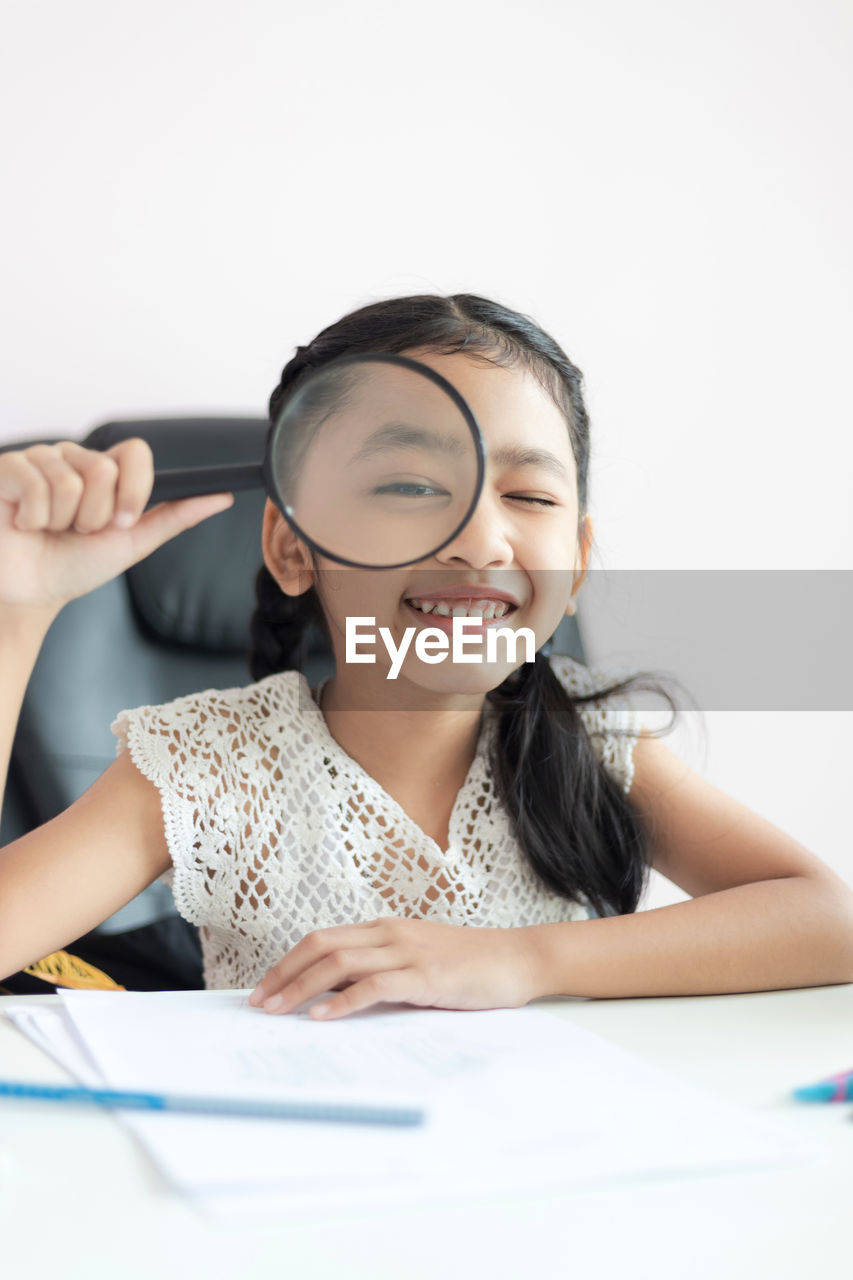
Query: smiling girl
point(465, 836)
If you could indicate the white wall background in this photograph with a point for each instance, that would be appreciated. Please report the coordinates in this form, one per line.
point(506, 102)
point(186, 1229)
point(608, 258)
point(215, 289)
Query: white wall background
point(192, 187)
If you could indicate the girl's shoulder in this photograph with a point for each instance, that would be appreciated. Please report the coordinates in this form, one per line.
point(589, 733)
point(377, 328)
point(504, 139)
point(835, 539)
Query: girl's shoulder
point(578, 679)
point(256, 702)
point(611, 723)
point(191, 727)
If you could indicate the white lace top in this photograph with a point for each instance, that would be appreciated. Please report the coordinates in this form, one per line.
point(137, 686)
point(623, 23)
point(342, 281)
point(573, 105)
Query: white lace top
point(275, 831)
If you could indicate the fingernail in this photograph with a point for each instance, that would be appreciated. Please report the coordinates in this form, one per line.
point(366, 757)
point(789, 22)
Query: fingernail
point(319, 1010)
point(123, 519)
point(274, 1002)
point(256, 997)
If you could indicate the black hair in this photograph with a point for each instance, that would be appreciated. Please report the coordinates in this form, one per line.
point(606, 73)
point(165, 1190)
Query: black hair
point(579, 830)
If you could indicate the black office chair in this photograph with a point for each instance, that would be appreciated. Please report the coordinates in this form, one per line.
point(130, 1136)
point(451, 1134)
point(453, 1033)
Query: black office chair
point(175, 623)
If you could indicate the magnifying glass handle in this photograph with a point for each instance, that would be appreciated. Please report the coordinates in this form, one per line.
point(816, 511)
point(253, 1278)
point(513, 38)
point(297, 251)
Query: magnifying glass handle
point(191, 482)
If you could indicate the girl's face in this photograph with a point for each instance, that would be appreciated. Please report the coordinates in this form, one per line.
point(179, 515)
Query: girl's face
point(520, 554)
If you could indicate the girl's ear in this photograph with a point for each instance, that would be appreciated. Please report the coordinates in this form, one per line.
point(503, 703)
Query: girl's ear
point(581, 561)
point(286, 556)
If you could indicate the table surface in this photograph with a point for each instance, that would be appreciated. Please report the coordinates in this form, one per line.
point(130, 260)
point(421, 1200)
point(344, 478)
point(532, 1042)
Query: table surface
point(78, 1197)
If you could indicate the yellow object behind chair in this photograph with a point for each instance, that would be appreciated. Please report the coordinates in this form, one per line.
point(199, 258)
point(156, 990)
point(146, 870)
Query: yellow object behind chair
point(64, 970)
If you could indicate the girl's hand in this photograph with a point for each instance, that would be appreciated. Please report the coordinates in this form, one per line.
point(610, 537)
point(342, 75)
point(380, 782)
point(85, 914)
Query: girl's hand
point(416, 962)
point(72, 518)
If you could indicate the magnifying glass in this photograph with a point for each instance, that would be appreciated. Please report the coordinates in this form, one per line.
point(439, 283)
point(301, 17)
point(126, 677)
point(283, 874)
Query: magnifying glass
point(375, 461)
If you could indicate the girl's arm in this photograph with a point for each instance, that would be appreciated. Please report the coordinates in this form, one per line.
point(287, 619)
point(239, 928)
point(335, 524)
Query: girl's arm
point(71, 519)
point(61, 880)
point(64, 878)
point(21, 638)
point(764, 914)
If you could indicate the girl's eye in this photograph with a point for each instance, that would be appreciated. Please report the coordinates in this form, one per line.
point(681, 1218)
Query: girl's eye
point(524, 497)
point(411, 489)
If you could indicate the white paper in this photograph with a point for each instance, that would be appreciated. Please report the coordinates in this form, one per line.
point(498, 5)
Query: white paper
point(516, 1099)
point(49, 1027)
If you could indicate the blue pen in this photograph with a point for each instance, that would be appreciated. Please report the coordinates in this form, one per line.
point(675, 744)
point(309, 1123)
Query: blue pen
point(255, 1108)
point(836, 1089)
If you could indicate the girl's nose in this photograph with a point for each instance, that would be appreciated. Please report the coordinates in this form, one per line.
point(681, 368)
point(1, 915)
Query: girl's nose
point(484, 541)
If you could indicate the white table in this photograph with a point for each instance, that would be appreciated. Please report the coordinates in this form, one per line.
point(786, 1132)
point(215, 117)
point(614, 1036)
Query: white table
point(78, 1198)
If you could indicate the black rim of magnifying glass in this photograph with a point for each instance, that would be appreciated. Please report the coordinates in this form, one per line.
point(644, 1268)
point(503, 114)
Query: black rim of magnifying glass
point(407, 363)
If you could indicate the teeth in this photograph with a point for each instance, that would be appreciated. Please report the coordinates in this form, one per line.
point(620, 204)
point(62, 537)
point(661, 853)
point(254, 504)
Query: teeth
point(484, 609)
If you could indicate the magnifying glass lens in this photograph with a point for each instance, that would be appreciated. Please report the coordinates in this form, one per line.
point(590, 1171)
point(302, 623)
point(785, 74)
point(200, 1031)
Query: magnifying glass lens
point(375, 461)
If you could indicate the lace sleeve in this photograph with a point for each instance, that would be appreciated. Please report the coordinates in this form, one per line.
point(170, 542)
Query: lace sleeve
point(185, 748)
point(612, 724)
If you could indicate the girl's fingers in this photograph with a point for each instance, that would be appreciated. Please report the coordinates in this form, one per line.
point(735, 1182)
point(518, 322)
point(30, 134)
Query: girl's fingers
point(100, 478)
point(59, 498)
point(314, 947)
point(65, 485)
point(117, 484)
point(342, 965)
point(135, 480)
point(397, 986)
point(25, 488)
point(168, 519)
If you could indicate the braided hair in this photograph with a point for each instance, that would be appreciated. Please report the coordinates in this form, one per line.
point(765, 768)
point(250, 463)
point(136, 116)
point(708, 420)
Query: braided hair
point(579, 831)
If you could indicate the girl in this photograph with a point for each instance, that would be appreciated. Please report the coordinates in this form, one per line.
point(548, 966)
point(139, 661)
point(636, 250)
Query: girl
point(340, 839)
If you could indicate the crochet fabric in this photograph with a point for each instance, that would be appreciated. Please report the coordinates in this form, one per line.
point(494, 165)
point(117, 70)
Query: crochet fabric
point(274, 831)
